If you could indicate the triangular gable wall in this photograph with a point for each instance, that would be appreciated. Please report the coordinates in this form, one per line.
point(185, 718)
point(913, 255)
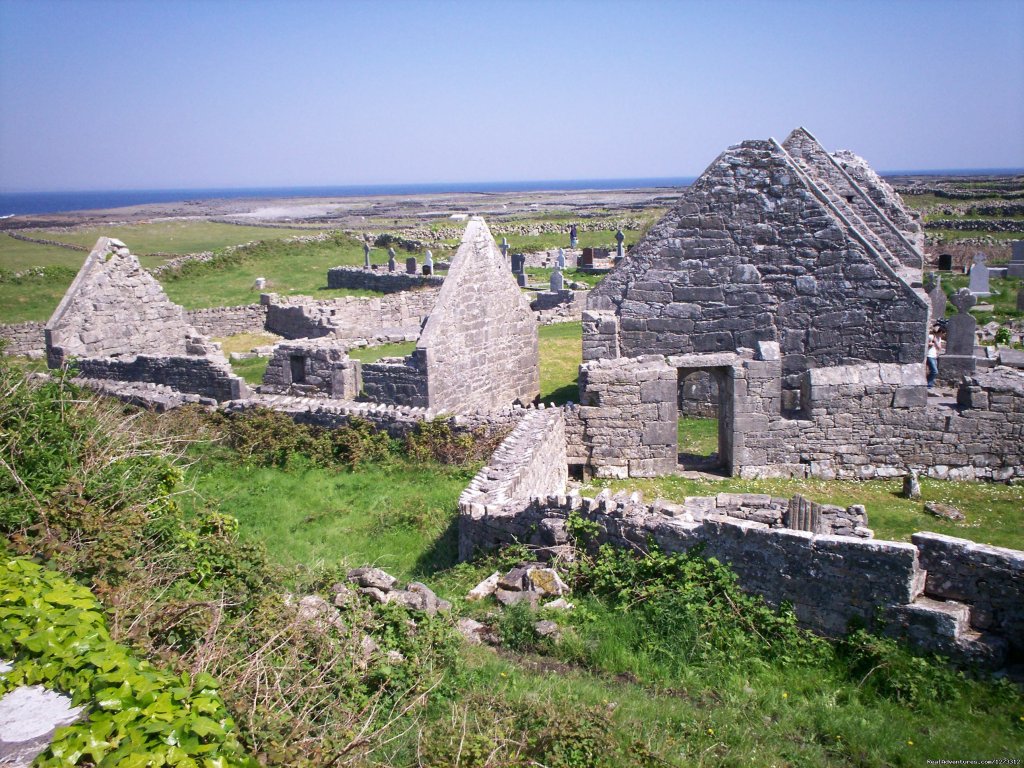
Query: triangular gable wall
point(752, 254)
point(114, 308)
point(480, 342)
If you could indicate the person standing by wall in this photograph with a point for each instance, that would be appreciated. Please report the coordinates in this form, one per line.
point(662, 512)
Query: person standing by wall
point(932, 355)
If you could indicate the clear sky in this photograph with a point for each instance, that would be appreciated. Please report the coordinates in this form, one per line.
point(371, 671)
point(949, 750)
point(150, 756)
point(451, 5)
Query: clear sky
point(212, 93)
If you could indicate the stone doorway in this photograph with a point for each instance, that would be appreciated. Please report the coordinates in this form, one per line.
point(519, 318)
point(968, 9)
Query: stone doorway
point(705, 416)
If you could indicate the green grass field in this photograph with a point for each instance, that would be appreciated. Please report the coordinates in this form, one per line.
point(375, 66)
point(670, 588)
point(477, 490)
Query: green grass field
point(1003, 298)
point(174, 236)
point(17, 255)
point(560, 356)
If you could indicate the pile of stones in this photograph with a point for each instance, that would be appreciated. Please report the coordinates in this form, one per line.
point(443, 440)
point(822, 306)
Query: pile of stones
point(529, 583)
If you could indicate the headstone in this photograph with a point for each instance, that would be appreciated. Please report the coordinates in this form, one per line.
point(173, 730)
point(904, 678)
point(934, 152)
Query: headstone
point(366, 255)
point(587, 258)
point(518, 262)
point(937, 296)
point(392, 264)
point(619, 237)
point(1016, 268)
point(521, 279)
point(560, 261)
point(428, 261)
point(960, 331)
point(911, 486)
point(260, 284)
point(979, 276)
point(410, 265)
point(557, 281)
point(428, 269)
point(946, 262)
point(504, 247)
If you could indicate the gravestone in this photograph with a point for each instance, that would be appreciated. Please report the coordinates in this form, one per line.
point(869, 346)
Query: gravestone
point(619, 237)
point(959, 356)
point(946, 262)
point(587, 258)
point(366, 255)
point(937, 296)
point(504, 247)
point(557, 282)
point(428, 264)
point(560, 261)
point(392, 264)
point(518, 262)
point(260, 283)
point(521, 279)
point(410, 265)
point(979, 276)
point(1016, 268)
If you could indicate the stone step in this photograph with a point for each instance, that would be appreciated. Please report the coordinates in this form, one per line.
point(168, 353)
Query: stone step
point(945, 626)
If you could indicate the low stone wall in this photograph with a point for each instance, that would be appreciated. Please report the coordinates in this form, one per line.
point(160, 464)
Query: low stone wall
point(196, 375)
point(396, 380)
point(563, 306)
point(228, 321)
point(24, 339)
point(349, 317)
point(381, 280)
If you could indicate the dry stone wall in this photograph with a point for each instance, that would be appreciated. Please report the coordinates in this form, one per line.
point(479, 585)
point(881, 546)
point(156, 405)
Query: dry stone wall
point(24, 339)
point(197, 375)
point(563, 306)
point(402, 381)
point(349, 317)
point(377, 279)
point(313, 367)
point(480, 341)
point(228, 321)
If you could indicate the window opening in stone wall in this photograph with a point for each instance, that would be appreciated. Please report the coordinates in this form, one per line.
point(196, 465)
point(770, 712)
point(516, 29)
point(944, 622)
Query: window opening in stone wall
point(700, 406)
point(298, 365)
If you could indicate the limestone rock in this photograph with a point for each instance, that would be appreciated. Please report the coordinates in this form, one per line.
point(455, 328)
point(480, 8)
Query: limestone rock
point(509, 597)
point(559, 604)
point(547, 628)
point(372, 577)
point(472, 630)
point(316, 610)
point(911, 486)
point(29, 715)
point(546, 581)
point(484, 588)
point(946, 511)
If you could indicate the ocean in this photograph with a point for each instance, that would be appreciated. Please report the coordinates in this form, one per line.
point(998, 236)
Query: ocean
point(22, 203)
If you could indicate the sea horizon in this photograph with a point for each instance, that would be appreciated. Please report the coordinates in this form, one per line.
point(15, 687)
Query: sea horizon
point(70, 201)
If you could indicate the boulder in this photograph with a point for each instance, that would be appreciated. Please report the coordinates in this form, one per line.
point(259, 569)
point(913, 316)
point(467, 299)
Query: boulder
point(372, 577)
point(29, 716)
point(472, 630)
point(945, 511)
point(546, 581)
point(484, 588)
point(511, 597)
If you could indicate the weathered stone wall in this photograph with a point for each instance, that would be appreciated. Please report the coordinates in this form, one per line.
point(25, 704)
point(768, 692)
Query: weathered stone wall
point(480, 341)
point(313, 367)
point(401, 381)
point(228, 321)
point(756, 251)
point(198, 375)
point(380, 279)
point(349, 317)
point(629, 417)
point(906, 219)
point(114, 307)
point(24, 339)
point(530, 461)
point(563, 306)
point(989, 579)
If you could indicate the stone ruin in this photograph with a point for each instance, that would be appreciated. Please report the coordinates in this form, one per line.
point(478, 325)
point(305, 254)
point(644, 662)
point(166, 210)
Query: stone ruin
point(116, 323)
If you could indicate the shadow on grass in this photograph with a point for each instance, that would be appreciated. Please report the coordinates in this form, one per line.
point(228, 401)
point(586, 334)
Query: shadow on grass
point(442, 554)
point(570, 393)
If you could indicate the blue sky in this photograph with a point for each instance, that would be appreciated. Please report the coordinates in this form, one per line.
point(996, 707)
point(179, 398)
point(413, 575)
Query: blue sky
point(121, 95)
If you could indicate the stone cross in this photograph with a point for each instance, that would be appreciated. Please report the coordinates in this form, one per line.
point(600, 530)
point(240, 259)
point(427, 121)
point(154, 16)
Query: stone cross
point(366, 254)
point(979, 276)
point(958, 358)
point(560, 261)
point(504, 247)
point(392, 264)
point(557, 282)
point(410, 265)
point(619, 237)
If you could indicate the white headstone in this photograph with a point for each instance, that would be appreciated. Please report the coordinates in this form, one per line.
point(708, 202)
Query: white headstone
point(557, 282)
point(260, 283)
point(560, 262)
point(979, 277)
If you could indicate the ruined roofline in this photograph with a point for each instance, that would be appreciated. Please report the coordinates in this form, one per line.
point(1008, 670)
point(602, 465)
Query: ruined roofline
point(104, 245)
point(855, 185)
point(852, 231)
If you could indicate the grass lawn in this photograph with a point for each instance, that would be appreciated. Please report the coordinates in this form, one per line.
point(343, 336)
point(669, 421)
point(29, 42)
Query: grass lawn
point(174, 236)
point(17, 255)
point(994, 511)
point(290, 269)
point(398, 515)
point(33, 298)
point(373, 354)
point(602, 238)
point(561, 353)
point(1003, 298)
point(698, 436)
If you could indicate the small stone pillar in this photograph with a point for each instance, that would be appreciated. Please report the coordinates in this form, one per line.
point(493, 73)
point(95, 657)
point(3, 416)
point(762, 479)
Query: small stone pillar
point(366, 254)
point(959, 356)
point(410, 265)
point(428, 264)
